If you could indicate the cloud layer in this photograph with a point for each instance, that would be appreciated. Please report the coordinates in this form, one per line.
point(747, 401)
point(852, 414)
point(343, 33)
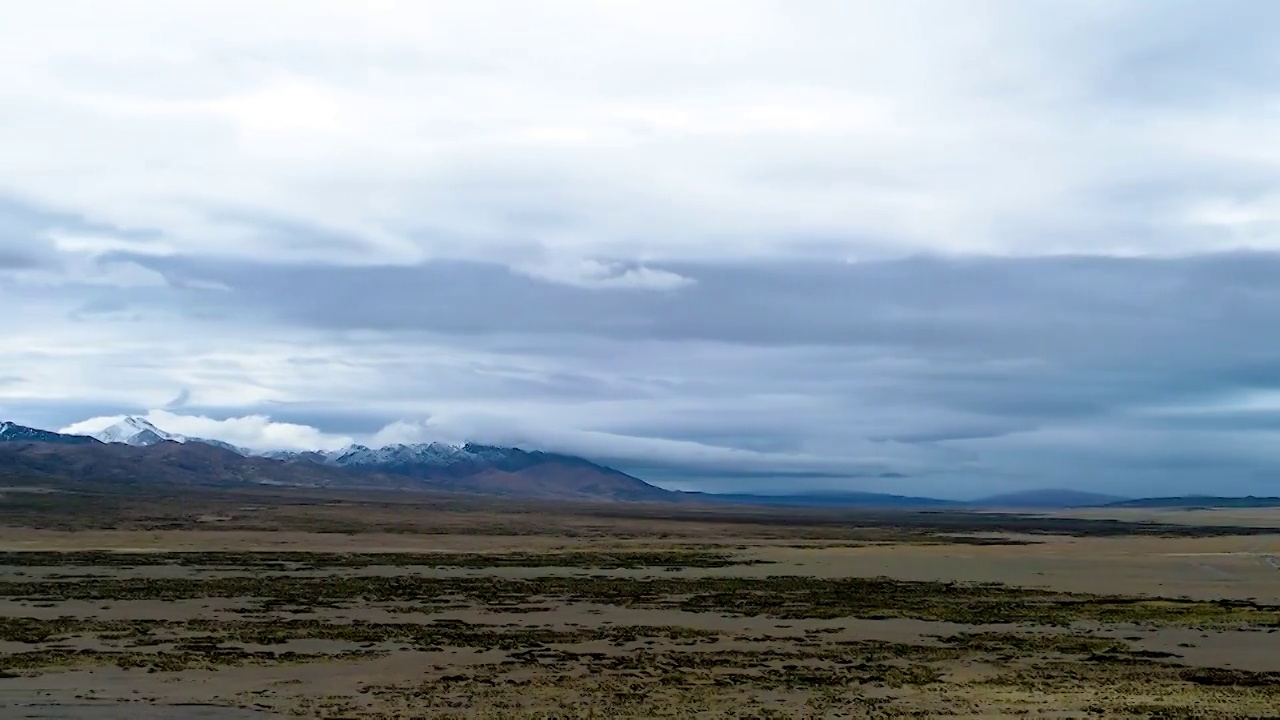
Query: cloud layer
point(745, 245)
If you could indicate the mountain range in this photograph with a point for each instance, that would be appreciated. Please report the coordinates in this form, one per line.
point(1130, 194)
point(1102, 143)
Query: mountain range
point(13, 432)
point(140, 432)
point(134, 450)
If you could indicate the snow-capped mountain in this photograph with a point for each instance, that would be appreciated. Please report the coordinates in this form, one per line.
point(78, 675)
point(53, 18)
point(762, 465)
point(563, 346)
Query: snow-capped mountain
point(135, 431)
point(134, 449)
point(429, 455)
point(316, 456)
point(140, 432)
point(435, 453)
point(484, 469)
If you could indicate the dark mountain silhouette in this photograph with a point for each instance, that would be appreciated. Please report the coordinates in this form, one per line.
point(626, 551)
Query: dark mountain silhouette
point(485, 470)
point(13, 432)
point(829, 499)
point(1190, 502)
point(1049, 498)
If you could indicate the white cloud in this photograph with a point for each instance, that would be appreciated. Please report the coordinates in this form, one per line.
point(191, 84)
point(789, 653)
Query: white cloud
point(256, 432)
point(649, 132)
point(93, 244)
point(89, 271)
point(176, 174)
point(535, 431)
point(596, 274)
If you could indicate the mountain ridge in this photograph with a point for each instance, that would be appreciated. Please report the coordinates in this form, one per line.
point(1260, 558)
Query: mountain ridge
point(13, 432)
point(140, 432)
point(1048, 498)
point(137, 449)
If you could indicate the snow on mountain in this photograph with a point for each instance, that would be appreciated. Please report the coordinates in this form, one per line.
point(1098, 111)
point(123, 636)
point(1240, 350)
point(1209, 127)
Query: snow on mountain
point(434, 454)
point(314, 456)
point(141, 432)
point(471, 468)
point(421, 454)
point(135, 431)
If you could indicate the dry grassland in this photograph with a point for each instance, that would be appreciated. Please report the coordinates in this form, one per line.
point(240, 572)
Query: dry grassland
point(244, 605)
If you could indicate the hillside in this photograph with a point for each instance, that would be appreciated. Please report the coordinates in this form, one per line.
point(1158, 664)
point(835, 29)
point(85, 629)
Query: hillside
point(30, 454)
point(1048, 498)
point(13, 432)
point(827, 499)
point(1199, 501)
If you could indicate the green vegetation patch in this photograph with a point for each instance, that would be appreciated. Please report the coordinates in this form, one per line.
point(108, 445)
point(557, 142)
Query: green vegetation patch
point(780, 597)
point(621, 559)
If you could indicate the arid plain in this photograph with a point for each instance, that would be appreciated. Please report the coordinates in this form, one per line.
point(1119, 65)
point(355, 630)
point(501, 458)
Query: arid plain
point(230, 604)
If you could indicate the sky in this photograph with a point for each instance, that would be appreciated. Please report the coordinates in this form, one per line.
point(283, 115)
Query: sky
point(924, 247)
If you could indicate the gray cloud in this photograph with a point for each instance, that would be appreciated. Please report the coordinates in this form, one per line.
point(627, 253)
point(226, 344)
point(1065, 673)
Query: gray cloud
point(14, 260)
point(963, 374)
point(984, 246)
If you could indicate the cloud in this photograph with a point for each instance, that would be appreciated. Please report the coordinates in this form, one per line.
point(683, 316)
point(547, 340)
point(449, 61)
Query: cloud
point(256, 432)
point(760, 130)
point(183, 397)
point(966, 375)
point(599, 275)
point(687, 455)
point(986, 246)
point(12, 259)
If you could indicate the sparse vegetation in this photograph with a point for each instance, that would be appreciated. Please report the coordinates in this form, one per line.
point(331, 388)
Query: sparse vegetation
point(658, 622)
point(779, 596)
point(629, 559)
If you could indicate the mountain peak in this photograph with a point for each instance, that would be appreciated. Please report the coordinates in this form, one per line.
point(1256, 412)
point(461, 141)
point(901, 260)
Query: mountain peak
point(472, 469)
point(136, 431)
point(140, 432)
point(138, 423)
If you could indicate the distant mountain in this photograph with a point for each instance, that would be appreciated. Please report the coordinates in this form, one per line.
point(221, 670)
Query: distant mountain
point(316, 456)
point(164, 462)
point(489, 470)
point(135, 431)
point(827, 499)
point(135, 450)
point(140, 432)
point(1188, 502)
point(1031, 499)
point(1051, 498)
point(13, 432)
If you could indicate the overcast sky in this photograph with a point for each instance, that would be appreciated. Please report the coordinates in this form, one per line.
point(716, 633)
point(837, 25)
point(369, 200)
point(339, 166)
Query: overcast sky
point(940, 248)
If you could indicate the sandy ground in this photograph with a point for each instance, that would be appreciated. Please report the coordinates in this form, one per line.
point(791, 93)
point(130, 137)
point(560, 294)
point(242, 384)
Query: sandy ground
point(1237, 567)
point(753, 659)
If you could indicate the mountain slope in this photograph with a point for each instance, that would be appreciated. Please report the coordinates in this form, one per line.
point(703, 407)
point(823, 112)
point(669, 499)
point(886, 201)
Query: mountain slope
point(164, 462)
point(140, 432)
point(829, 499)
point(1049, 498)
point(134, 455)
point(1199, 501)
point(135, 431)
point(13, 432)
point(489, 470)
